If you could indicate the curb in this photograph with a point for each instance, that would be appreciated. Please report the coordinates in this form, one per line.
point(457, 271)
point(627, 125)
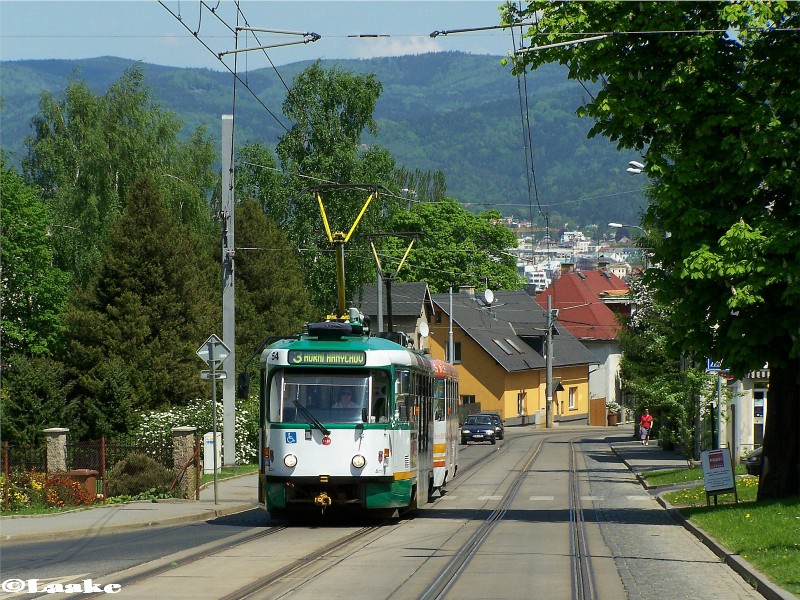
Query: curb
point(209, 515)
point(744, 569)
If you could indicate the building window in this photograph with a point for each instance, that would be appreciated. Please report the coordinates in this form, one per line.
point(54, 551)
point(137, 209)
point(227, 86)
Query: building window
point(572, 393)
point(456, 352)
point(521, 403)
point(438, 316)
point(467, 400)
point(503, 346)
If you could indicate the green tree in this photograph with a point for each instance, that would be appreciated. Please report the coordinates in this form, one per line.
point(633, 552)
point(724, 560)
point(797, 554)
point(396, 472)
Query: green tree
point(34, 396)
point(454, 247)
point(270, 297)
point(331, 109)
point(133, 332)
point(715, 116)
point(34, 290)
point(654, 373)
point(87, 152)
point(258, 178)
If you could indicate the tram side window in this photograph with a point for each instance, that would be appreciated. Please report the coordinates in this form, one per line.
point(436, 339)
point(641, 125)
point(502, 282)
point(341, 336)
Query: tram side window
point(274, 399)
point(422, 408)
point(380, 395)
point(438, 400)
point(402, 387)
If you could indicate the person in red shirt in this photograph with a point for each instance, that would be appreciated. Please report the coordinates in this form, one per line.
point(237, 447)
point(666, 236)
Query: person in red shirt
point(645, 425)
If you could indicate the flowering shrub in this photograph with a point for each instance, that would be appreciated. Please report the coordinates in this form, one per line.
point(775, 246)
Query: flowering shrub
point(60, 490)
point(612, 406)
point(33, 489)
point(157, 425)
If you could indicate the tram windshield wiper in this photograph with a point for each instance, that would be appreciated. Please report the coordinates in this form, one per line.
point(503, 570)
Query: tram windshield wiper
point(311, 419)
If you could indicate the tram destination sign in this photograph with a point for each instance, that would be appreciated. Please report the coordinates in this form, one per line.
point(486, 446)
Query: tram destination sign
point(328, 357)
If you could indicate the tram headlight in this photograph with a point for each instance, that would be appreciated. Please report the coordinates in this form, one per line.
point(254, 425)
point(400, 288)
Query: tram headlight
point(359, 461)
point(290, 460)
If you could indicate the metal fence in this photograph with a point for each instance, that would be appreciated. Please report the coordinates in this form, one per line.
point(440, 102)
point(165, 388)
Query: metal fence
point(24, 457)
point(92, 454)
point(98, 462)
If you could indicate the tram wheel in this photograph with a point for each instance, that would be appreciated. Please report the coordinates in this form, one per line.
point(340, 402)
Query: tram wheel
point(276, 514)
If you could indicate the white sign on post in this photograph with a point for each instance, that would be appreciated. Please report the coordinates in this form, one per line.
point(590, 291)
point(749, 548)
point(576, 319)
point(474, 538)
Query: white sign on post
point(717, 471)
point(213, 350)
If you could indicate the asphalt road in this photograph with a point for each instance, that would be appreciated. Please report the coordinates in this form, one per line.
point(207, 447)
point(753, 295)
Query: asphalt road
point(101, 555)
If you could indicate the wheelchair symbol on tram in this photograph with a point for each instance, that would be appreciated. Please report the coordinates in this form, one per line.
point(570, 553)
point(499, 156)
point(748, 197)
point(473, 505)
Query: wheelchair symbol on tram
point(291, 437)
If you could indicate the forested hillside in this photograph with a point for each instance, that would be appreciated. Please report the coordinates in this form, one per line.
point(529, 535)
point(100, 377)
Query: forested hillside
point(453, 112)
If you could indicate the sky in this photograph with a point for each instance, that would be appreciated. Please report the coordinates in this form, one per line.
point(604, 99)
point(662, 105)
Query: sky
point(151, 32)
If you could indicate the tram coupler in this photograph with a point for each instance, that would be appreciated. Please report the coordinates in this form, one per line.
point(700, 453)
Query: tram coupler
point(323, 501)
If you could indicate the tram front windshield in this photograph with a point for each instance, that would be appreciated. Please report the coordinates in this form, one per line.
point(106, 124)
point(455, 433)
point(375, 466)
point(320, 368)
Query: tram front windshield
point(330, 398)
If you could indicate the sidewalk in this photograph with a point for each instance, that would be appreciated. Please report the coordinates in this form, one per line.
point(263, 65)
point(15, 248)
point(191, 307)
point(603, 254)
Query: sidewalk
point(233, 495)
point(639, 458)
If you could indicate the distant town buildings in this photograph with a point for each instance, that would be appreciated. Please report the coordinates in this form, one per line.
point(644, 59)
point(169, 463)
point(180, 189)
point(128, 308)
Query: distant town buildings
point(540, 258)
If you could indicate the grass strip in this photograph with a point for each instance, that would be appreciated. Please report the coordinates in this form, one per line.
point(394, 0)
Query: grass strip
point(766, 533)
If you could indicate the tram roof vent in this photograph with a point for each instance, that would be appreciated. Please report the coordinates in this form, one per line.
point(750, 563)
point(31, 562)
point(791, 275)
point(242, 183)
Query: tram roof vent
point(330, 329)
point(398, 337)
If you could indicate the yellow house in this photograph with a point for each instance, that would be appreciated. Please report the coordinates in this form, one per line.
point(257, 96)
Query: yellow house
point(498, 349)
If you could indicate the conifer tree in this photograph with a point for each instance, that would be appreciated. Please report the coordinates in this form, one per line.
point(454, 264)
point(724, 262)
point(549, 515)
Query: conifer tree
point(149, 304)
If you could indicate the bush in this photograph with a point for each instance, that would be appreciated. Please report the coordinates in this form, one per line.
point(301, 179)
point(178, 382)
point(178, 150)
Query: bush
point(138, 473)
point(157, 425)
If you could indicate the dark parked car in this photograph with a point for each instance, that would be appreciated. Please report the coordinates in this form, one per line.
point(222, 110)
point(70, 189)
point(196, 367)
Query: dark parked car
point(478, 428)
point(499, 428)
point(753, 462)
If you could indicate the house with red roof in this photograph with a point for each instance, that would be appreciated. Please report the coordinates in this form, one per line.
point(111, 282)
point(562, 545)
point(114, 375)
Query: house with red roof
point(589, 304)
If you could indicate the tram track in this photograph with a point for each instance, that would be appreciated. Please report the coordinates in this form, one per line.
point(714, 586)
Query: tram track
point(461, 558)
point(319, 562)
point(583, 585)
point(304, 569)
point(183, 559)
point(256, 588)
point(582, 572)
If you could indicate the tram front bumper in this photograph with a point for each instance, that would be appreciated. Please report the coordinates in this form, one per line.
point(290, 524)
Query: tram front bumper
point(384, 492)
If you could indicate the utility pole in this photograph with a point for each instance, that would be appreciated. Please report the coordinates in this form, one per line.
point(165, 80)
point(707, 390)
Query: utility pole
point(549, 365)
point(450, 348)
point(379, 289)
point(228, 298)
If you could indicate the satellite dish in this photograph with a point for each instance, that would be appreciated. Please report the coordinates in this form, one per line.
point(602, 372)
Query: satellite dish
point(488, 295)
point(424, 330)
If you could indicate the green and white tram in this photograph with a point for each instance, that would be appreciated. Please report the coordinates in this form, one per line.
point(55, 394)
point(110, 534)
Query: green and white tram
point(350, 420)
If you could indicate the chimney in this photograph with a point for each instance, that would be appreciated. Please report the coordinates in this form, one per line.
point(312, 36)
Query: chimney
point(467, 289)
point(567, 268)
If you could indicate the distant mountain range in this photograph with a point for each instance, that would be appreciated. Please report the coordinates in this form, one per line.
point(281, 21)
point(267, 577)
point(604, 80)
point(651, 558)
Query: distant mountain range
point(454, 112)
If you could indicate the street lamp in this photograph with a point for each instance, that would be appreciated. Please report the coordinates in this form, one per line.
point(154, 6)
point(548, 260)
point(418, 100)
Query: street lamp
point(635, 167)
point(643, 230)
point(618, 225)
